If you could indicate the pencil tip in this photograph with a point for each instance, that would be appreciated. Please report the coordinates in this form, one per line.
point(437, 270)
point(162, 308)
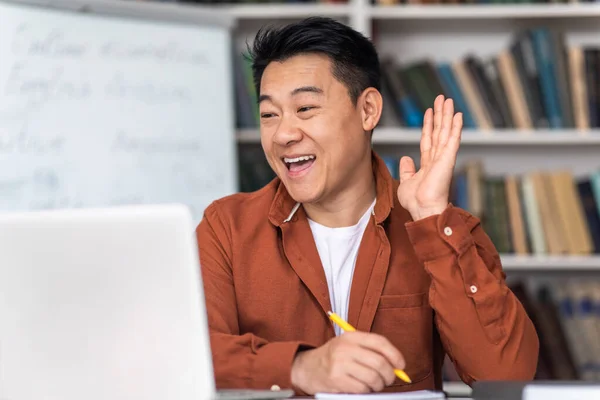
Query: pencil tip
point(402, 375)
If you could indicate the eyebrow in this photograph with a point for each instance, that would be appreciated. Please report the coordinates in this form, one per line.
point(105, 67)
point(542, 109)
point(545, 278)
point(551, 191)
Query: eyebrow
point(302, 89)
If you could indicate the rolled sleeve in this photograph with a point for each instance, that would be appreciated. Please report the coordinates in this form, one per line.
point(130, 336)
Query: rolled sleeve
point(440, 235)
point(484, 328)
point(277, 358)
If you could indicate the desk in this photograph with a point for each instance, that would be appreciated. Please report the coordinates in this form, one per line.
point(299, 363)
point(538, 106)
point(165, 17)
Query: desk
point(449, 398)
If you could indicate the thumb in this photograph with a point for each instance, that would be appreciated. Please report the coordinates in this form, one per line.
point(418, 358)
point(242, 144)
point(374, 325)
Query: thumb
point(407, 168)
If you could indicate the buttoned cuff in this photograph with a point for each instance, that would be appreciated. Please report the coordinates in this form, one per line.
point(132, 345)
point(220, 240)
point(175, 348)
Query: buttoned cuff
point(440, 235)
point(273, 369)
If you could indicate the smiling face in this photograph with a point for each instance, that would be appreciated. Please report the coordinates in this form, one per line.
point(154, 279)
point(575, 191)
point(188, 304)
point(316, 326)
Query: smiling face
point(314, 137)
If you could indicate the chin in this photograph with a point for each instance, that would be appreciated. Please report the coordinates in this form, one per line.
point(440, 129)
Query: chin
point(303, 193)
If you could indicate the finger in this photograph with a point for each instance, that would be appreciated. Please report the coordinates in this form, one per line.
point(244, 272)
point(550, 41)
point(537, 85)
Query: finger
point(407, 168)
point(438, 106)
point(451, 148)
point(447, 121)
point(382, 346)
point(426, 136)
point(346, 382)
point(456, 134)
point(367, 379)
point(376, 362)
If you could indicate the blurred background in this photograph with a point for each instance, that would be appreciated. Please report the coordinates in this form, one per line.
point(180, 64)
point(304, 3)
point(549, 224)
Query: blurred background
point(524, 73)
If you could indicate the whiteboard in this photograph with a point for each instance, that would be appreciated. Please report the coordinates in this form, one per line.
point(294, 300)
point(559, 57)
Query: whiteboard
point(110, 103)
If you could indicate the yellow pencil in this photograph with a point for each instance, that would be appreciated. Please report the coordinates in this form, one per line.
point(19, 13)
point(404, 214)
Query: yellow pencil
point(349, 328)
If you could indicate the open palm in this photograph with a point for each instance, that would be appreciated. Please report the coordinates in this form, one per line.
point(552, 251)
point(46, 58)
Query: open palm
point(426, 192)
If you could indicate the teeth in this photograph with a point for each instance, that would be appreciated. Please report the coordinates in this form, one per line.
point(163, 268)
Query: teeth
point(297, 159)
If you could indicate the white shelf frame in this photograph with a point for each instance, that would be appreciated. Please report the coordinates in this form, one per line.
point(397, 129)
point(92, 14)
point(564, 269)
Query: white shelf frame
point(399, 136)
point(285, 10)
point(482, 11)
point(510, 137)
point(361, 13)
point(550, 263)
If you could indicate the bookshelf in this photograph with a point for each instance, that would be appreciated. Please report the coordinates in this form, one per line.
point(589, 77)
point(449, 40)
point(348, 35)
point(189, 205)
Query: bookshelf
point(445, 33)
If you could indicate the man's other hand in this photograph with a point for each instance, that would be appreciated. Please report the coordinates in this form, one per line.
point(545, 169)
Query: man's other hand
point(354, 362)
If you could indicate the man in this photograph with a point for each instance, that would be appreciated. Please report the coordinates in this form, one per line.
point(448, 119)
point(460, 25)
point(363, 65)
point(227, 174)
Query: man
point(417, 277)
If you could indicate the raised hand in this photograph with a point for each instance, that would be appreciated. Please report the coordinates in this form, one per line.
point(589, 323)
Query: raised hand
point(426, 192)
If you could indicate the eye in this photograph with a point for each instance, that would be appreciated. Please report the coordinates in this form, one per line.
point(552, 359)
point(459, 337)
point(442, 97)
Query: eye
point(306, 108)
point(266, 115)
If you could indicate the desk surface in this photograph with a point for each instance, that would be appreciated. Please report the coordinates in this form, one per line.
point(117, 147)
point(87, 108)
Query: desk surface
point(449, 398)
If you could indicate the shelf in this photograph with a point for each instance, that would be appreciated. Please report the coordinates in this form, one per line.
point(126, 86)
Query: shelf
point(288, 11)
point(399, 136)
point(550, 263)
point(497, 137)
point(457, 389)
point(512, 11)
point(405, 12)
point(248, 136)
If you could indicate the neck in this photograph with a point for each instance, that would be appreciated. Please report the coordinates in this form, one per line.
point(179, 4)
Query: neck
point(349, 205)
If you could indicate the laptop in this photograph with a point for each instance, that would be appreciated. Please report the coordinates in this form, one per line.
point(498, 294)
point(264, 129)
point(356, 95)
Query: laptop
point(105, 304)
point(536, 390)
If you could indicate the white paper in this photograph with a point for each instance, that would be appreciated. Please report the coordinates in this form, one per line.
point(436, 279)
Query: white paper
point(415, 395)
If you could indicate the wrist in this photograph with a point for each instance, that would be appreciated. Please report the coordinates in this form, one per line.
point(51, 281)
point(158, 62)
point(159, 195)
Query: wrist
point(423, 213)
point(297, 373)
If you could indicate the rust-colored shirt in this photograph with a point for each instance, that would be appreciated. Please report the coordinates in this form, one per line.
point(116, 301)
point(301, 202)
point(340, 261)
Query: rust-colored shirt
point(432, 287)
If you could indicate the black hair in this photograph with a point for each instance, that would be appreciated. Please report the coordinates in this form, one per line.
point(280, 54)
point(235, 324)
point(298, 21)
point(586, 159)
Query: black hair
point(355, 62)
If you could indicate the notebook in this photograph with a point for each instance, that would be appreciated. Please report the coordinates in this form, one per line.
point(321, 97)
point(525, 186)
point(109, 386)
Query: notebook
point(415, 395)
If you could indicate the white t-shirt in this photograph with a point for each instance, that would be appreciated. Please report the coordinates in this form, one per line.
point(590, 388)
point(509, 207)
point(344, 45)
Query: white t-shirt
point(338, 249)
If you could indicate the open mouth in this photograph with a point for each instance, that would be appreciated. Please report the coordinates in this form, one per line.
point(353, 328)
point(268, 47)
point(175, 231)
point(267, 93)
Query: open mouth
point(300, 163)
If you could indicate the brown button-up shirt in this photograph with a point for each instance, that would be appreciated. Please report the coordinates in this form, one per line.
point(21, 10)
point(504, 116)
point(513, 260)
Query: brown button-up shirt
point(432, 287)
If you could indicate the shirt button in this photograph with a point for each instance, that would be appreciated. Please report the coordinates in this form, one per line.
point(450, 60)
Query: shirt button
point(275, 388)
point(473, 289)
point(448, 231)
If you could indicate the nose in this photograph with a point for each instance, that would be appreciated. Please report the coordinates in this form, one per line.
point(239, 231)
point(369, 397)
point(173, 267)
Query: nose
point(288, 132)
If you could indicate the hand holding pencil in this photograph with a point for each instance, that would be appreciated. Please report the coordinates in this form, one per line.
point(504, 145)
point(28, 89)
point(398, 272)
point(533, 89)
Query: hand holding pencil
point(355, 362)
point(349, 328)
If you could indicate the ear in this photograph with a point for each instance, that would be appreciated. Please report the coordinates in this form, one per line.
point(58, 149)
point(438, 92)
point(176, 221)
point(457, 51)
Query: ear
point(371, 104)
